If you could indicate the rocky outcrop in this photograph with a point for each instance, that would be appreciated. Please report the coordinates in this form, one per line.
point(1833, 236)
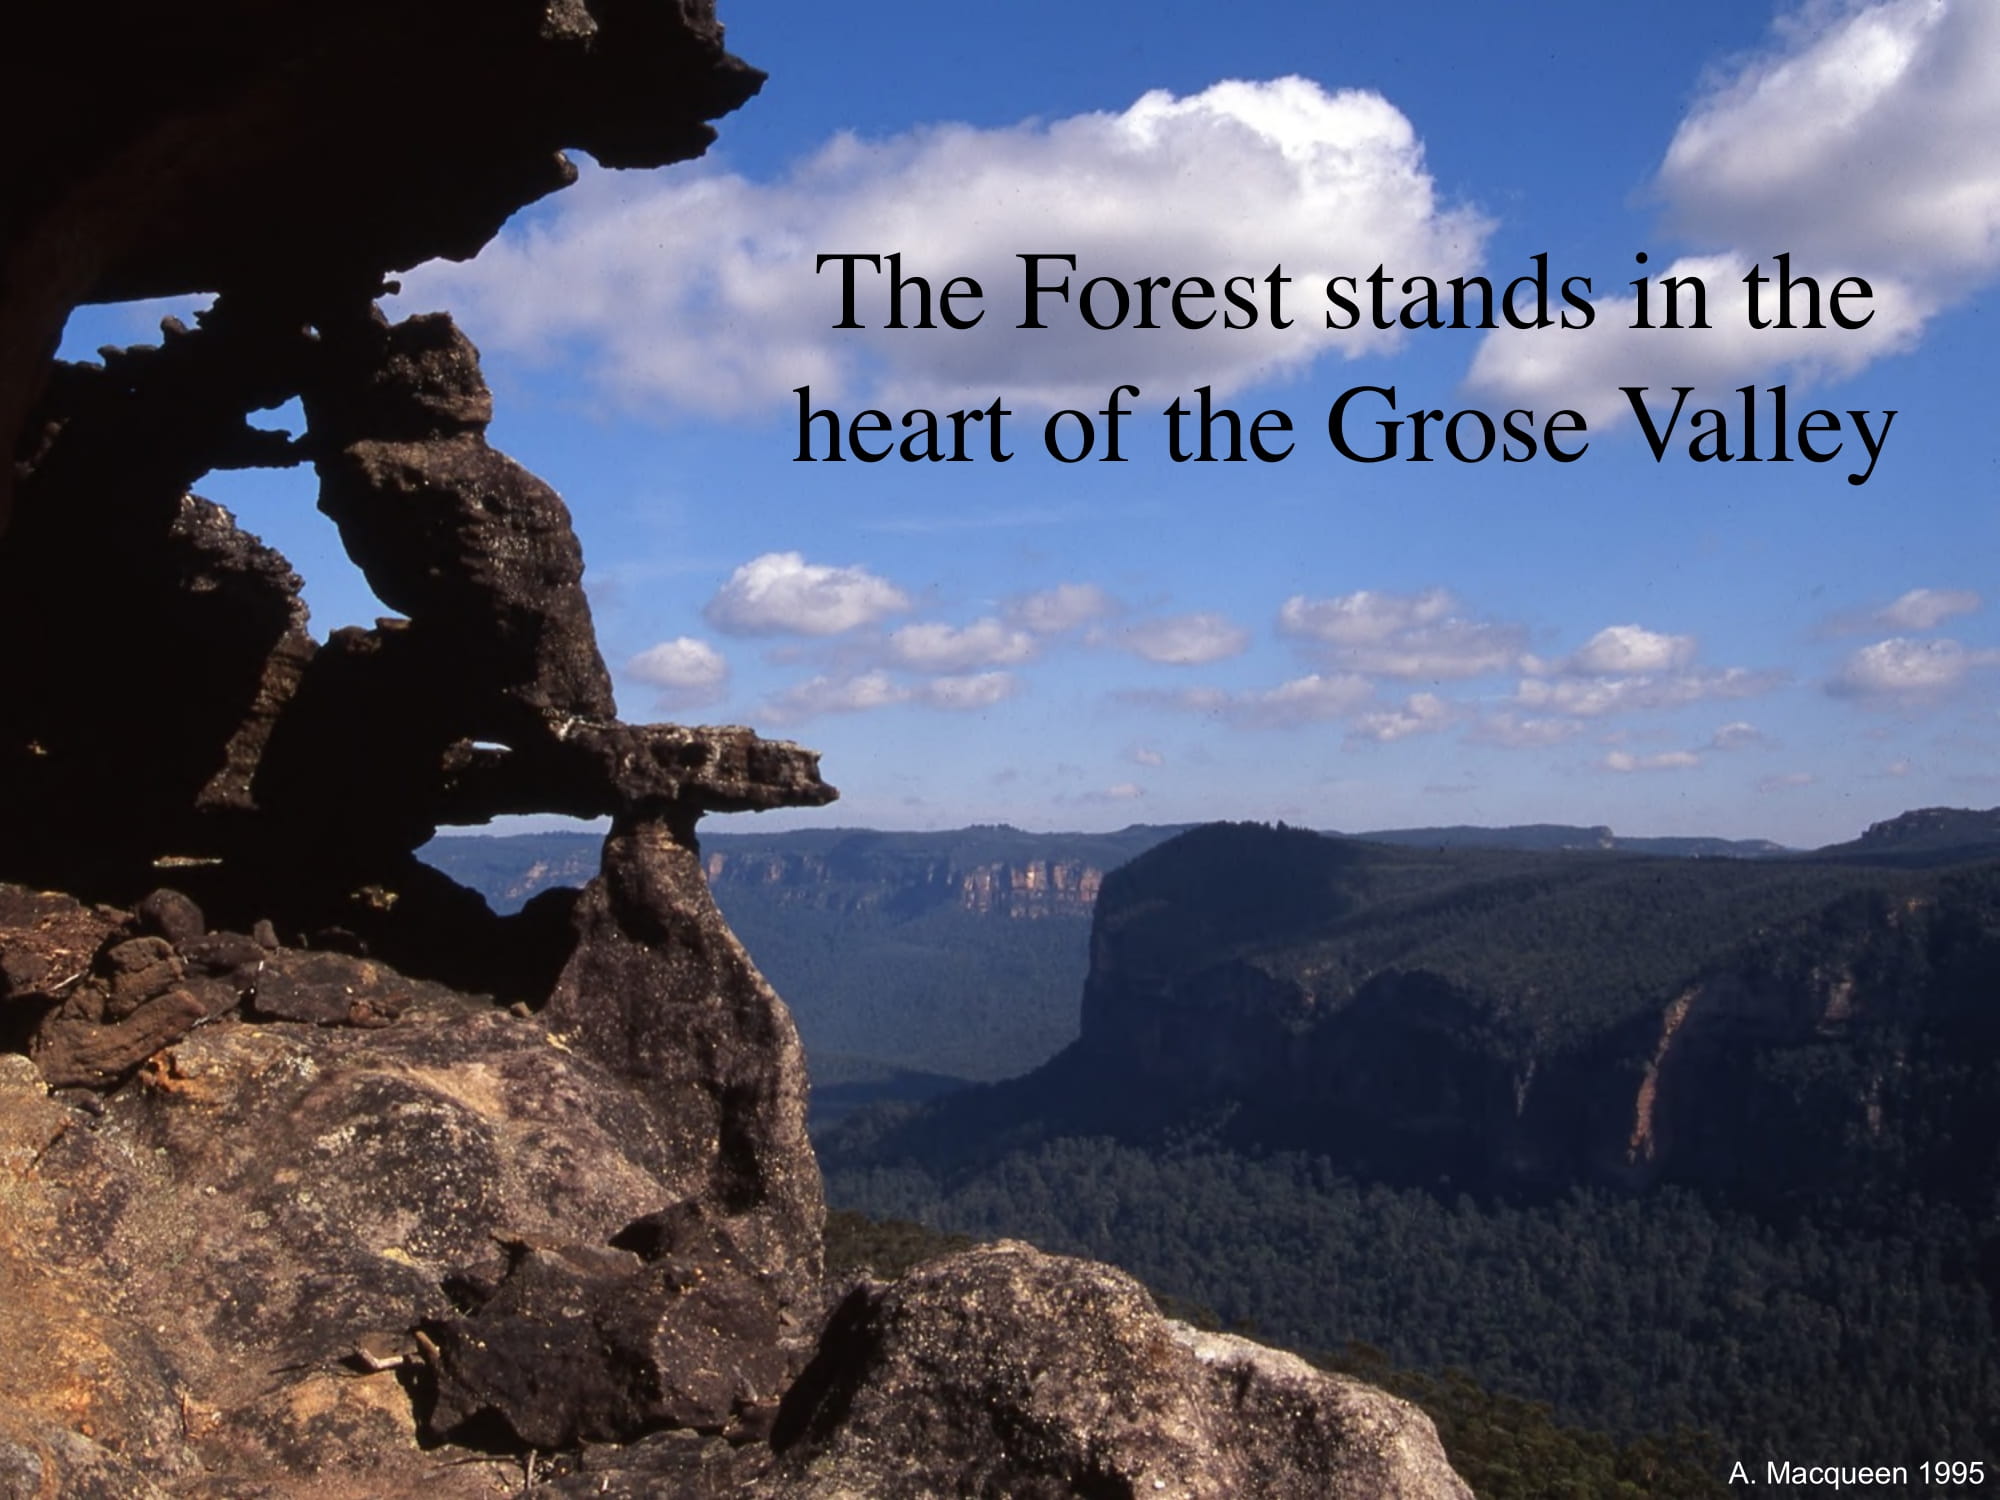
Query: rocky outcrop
point(1091, 1392)
point(1004, 1371)
point(317, 1178)
point(232, 1271)
point(341, 1216)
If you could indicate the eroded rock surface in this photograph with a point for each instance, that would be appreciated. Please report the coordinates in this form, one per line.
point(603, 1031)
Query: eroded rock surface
point(318, 1179)
point(1002, 1371)
point(206, 1268)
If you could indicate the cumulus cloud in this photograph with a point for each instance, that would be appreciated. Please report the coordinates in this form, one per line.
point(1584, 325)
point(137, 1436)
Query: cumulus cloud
point(865, 691)
point(1901, 672)
point(1143, 756)
point(1593, 697)
point(780, 593)
point(1666, 760)
point(1313, 699)
point(1626, 668)
point(1421, 713)
point(835, 695)
point(1865, 141)
point(1401, 635)
point(1511, 731)
point(1870, 135)
point(1586, 370)
point(930, 647)
point(966, 693)
point(1185, 640)
point(1363, 618)
point(687, 672)
point(1738, 736)
point(1619, 650)
point(1918, 609)
point(699, 290)
point(1065, 607)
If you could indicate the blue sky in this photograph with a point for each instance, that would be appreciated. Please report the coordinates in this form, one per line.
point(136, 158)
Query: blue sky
point(1758, 650)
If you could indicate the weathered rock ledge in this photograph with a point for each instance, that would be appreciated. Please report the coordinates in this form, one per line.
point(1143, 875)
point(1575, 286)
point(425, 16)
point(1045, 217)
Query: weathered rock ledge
point(345, 1233)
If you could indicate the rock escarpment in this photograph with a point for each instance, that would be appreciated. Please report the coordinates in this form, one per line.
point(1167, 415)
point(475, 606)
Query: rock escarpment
point(318, 1178)
point(1773, 1032)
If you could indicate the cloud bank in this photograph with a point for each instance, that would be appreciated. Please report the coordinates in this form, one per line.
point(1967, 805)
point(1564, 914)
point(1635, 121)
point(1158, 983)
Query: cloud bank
point(698, 292)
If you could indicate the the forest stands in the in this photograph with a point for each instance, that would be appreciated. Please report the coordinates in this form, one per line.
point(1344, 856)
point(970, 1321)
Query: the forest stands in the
point(1587, 1150)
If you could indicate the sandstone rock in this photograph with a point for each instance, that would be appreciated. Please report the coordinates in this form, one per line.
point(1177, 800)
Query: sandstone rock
point(577, 1345)
point(327, 989)
point(659, 990)
point(171, 915)
point(80, 1047)
point(248, 1212)
point(1002, 1370)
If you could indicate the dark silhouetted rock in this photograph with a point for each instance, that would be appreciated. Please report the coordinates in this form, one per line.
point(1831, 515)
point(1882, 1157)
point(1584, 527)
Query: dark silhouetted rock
point(660, 991)
point(580, 1344)
point(169, 914)
point(327, 989)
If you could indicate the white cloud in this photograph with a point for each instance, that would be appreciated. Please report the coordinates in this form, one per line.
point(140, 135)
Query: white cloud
point(866, 691)
point(1870, 135)
point(1402, 635)
point(1510, 731)
point(1185, 640)
point(1625, 668)
point(1142, 756)
point(688, 672)
point(1422, 713)
point(835, 695)
point(1548, 369)
point(1619, 650)
point(1665, 760)
point(930, 647)
point(780, 593)
point(1907, 673)
point(1363, 618)
point(1054, 610)
point(1921, 609)
point(976, 691)
point(698, 290)
point(1865, 141)
point(1313, 699)
point(1124, 791)
point(1592, 697)
point(1738, 736)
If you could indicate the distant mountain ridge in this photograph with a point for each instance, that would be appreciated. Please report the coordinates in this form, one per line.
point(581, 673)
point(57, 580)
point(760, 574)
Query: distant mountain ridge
point(960, 954)
point(993, 867)
point(1506, 1018)
point(1925, 835)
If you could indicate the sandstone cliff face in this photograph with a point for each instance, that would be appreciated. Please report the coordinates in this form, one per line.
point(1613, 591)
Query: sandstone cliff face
point(1022, 889)
point(1836, 1049)
point(316, 1177)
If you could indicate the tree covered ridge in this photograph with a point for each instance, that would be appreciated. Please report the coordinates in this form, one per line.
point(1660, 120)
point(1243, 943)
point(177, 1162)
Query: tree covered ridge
point(1661, 1144)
